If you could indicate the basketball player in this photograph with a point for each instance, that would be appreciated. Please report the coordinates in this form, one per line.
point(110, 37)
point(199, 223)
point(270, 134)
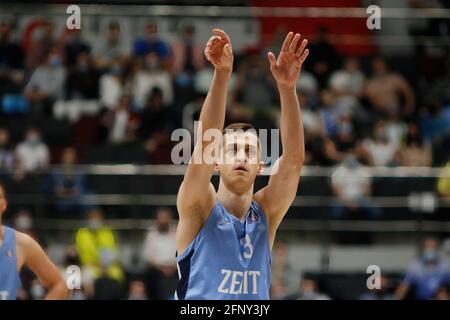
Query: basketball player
point(224, 237)
point(17, 250)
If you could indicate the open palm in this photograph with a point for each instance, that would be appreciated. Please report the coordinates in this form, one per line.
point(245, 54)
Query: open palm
point(218, 51)
point(286, 68)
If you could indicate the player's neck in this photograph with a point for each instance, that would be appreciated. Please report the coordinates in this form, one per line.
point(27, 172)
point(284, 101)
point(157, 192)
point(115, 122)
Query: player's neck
point(236, 204)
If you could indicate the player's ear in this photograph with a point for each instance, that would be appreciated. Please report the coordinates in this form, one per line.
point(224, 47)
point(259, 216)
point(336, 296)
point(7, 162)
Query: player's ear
point(261, 167)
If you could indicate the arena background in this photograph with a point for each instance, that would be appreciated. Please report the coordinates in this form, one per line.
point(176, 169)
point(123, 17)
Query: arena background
point(105, 114)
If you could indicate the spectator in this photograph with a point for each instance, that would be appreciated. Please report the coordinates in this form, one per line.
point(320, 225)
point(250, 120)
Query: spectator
point(324, 58)
point(83, 80)
point(159, 252)
point(137, 291)
point(416, 152)
point(37, 41)
point(187, 57)
point(155, 117)
point(381, 152)
point(253, 95)
point(384, 88)
point(282, 269)
point(111, 49)
point(6, 155)
point(70, 260)
point(46, 84)
point(383, 293)
point(11, 55)
point(112, 84)
point(151, 43)
point(191, 112)
point(426, 274)
point(106, 287)
point(352, 184)
point(121, 123)
point(308, 291)
point(348, 83)
point(69, 185)
point(149, 77)
point(329, 113)
point(73, 46)
point(98, 248)
point(33, 153)
point(443, 183)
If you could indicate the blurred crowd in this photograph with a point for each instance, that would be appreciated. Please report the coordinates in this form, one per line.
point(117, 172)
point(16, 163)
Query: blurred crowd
point(134, 92)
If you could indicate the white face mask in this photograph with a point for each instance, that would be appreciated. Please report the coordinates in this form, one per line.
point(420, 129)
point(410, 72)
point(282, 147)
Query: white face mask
point(95, 224)
point(23, 222)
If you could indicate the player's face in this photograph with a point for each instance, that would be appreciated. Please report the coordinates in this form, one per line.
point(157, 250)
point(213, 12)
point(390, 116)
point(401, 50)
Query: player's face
point(240, 160)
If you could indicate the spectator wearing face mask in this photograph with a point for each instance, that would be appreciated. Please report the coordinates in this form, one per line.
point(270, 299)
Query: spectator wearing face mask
point(159, 252)
point(137, 290)
point(6, 155)
point(32, 153)
point(427, 274)
point(381, 151)
point(112, 84)
point(98, 248)
point(46, 84)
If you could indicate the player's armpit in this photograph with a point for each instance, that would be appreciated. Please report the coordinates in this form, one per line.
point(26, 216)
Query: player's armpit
point(47, 273)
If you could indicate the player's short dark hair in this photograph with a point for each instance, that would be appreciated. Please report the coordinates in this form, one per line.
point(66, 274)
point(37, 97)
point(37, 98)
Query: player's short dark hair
point(241, 126)
point(238, 126)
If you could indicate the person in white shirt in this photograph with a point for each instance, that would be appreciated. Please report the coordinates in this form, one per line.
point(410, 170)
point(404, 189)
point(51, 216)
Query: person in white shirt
point(32, 153)
point(381, 151)
point(352, 184)
point(159, 252)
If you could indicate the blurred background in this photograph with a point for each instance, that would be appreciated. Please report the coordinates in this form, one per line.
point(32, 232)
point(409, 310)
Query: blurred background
point(86, 118)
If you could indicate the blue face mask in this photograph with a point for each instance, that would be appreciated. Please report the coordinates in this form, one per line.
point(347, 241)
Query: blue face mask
point(430, 256)
point(55, 61)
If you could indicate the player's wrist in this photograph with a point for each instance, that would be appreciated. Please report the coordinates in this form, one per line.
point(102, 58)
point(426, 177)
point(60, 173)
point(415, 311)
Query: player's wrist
point(224, 72)
point(286, 87)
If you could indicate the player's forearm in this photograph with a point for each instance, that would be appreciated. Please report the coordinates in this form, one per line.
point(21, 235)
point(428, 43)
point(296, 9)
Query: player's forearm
point(213, 110)
point(58, 291)
point(291, 126)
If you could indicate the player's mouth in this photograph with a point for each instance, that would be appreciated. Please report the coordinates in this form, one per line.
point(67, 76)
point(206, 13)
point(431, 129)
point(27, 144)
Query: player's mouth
point(241, 167)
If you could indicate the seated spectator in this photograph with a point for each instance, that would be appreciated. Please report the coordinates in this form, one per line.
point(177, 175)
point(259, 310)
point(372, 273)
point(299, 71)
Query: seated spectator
point(151, 43)
point(416, 152)
point(114, 47)
point(11, 54)
point(383, 293)
point(352, 184)
point(282, 269)
point(155, 116)
point(348, 83)
point(325, 59)
point(308, 291)
point(159, 252)
point(69, 185)
point(46, 84)
point(384, 89)
point(426, 274)
point(37, 41)
point(6, 155)
point(121, 123)
point(253, 95)
point(83, 80)
point(443, 183)
point(106, 287)
point(433, 125)
point(33, 153)
point(112, 84)
point(187, 56)
point(329, 113)
point(98, 248)
point(137, 291)
point(395, 128)
point(381, 152)
point(149, 76)
point(74, 44)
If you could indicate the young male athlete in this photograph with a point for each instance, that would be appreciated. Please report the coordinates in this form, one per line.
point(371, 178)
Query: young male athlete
point(17, 250)
point(224, 238)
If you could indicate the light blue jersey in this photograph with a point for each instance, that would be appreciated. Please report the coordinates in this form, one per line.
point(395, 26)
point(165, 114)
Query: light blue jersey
point(9, 277)
point(228, 260)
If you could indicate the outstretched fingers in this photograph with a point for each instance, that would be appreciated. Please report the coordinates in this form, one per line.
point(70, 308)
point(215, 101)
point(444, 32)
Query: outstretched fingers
point(287, 42)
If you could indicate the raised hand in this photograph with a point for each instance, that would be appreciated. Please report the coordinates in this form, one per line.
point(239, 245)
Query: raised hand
point(218, 51)
point(286, 69)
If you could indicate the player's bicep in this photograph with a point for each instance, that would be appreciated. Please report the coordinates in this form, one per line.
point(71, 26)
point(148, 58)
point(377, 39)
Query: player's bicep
point(38, 261)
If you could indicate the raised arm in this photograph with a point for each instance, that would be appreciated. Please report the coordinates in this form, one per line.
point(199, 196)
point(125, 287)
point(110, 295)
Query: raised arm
point(277, 197)
point(196, 196)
